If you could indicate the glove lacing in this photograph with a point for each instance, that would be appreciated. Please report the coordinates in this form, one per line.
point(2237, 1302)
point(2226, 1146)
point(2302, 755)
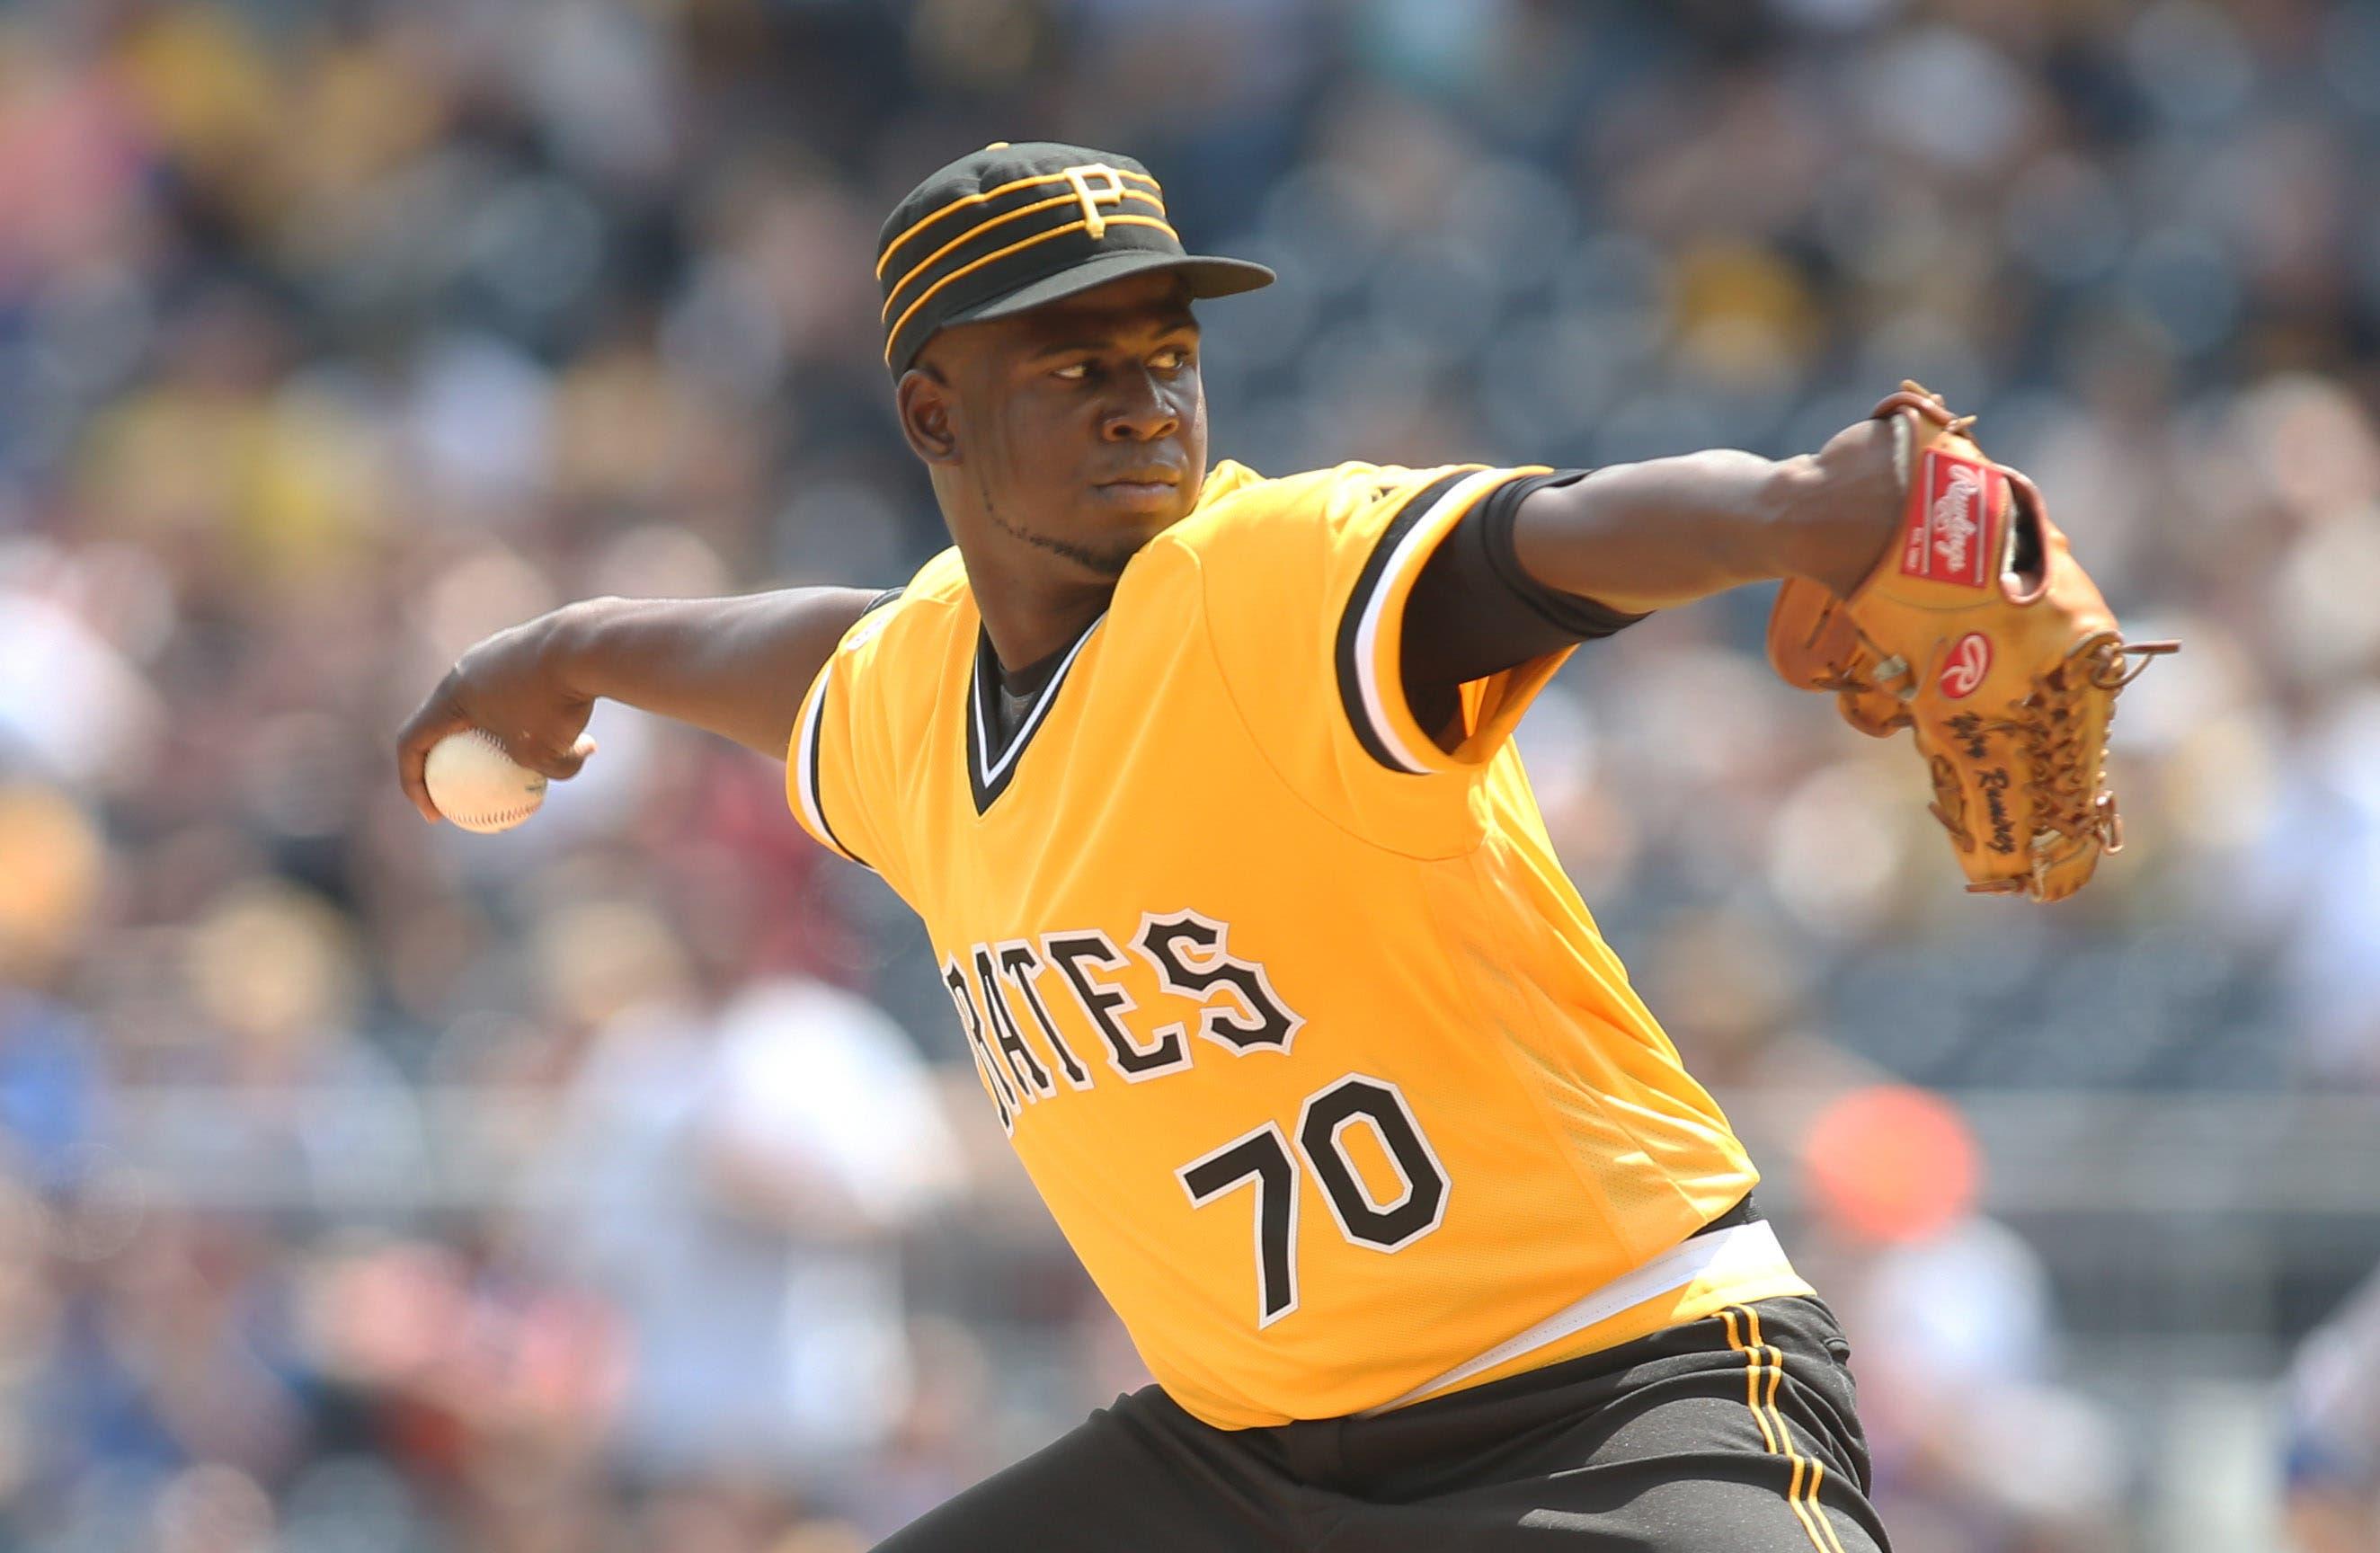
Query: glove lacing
point(2072, 802)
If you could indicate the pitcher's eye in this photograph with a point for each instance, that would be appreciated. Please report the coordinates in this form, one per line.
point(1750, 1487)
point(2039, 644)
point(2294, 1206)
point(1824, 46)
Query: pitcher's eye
point(1074, 371)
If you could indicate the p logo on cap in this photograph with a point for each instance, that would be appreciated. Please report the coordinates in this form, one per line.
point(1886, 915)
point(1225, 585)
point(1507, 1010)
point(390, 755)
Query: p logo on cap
point(1092, 198)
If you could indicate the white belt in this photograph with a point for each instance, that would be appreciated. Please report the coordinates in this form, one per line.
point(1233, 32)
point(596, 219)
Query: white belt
point(1745, 1248)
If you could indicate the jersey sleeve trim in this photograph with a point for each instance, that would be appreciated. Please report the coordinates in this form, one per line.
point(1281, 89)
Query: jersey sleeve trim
point(1371, 629)
point(810, 808)
point(803, 758)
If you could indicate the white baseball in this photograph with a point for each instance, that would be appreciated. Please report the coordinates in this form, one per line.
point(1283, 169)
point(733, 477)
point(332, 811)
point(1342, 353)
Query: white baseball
point(477, 786)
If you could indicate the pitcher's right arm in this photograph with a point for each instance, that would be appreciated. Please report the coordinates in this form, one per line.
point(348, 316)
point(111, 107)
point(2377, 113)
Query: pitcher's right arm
point(735, 667)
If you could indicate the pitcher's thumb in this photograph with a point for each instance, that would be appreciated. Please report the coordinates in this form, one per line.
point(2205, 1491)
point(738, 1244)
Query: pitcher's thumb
point(564, 766)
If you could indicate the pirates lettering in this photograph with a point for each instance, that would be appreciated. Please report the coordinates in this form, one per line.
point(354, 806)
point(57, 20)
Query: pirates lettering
point(1031, 1005)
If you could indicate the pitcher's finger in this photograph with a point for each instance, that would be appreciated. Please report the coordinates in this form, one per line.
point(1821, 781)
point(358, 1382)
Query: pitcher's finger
point(423, 728)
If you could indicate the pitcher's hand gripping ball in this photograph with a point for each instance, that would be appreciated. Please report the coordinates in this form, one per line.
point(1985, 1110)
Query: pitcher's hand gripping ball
point(1980, 632)
point(477, 786)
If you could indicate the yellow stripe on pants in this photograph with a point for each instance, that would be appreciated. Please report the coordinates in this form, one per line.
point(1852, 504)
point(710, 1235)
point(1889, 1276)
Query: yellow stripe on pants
point(1761, 1359)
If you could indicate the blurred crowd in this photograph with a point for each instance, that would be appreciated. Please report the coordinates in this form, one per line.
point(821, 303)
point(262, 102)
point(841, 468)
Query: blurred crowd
point(618, 1181)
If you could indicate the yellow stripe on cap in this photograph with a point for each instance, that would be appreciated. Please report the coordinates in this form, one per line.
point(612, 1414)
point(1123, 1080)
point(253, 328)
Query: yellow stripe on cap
point(893, 333)
point(977, 231)
point(964, 200)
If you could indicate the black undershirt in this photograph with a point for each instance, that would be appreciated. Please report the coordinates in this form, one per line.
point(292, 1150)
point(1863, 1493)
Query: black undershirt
point(1474, 610)
point(1017, 692)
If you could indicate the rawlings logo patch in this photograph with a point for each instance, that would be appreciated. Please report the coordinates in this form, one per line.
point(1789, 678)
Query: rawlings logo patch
point(1970, 660)
point(1950, 533)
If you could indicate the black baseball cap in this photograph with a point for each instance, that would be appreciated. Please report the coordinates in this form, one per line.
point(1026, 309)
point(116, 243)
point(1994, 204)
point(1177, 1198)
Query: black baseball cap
point(1014, 227)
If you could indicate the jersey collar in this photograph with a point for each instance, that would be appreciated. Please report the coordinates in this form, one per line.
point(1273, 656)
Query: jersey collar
point(991, 764)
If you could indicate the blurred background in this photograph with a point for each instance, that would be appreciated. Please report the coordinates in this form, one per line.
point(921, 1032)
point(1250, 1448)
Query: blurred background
point(621, 1182)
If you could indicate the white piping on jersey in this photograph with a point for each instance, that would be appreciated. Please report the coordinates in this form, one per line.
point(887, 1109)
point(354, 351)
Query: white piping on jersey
point(1417, 541)
point(1744, 1249)
point(806, 764)
point(992, 772)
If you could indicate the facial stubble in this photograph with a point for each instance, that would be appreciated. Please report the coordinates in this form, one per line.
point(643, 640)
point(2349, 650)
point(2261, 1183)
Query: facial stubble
point(1109, 567)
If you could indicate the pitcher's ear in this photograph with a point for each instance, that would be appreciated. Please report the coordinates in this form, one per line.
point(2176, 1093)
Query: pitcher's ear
point(923, 400)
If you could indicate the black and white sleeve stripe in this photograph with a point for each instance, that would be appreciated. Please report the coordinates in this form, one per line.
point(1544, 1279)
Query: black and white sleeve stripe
point(806, 767)
point(807, 745)
point(1369, 668)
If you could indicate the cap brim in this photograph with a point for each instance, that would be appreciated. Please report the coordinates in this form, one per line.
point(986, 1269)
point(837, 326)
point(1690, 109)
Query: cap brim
point(1208, 275)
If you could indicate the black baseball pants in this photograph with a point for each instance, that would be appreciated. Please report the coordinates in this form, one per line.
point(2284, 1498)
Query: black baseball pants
point(1739, 1432)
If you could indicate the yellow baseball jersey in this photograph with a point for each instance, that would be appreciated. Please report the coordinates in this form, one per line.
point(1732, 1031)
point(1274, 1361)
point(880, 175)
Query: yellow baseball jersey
point(1317, 1057)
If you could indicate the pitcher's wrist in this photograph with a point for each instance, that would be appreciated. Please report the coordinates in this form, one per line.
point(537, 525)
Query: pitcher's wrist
point(573, 642)
point(1827, 528)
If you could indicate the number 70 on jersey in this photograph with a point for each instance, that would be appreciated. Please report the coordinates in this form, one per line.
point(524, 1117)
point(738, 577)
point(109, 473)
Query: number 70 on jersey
point(1266, 1159)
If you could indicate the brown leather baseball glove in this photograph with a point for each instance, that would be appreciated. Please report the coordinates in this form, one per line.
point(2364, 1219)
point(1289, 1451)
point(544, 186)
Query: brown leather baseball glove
point(1980, 632)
